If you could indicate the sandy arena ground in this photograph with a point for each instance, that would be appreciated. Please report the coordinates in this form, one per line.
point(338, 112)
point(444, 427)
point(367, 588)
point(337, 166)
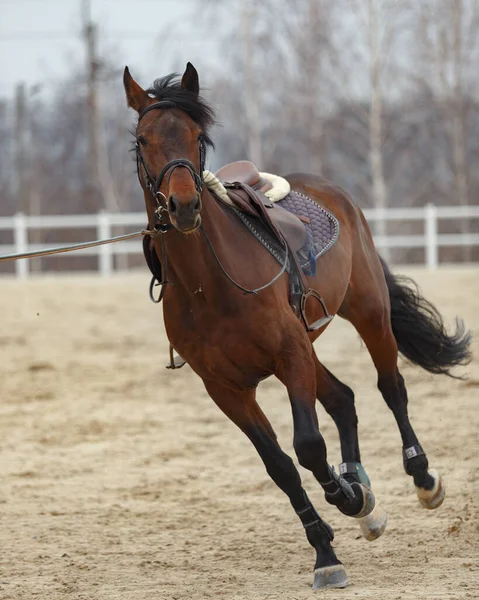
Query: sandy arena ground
point(122, 480)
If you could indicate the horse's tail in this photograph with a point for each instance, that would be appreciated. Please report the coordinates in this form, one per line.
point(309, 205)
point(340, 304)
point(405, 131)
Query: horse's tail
point(419, 329)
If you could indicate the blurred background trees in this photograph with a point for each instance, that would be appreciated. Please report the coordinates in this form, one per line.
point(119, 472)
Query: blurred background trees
point(379, 96)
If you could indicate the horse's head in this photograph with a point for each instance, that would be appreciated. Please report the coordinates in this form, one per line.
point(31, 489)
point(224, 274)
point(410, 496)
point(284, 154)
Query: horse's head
point(171, 139)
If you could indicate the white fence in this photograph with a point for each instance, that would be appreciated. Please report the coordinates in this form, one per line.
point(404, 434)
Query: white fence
point(430, 240)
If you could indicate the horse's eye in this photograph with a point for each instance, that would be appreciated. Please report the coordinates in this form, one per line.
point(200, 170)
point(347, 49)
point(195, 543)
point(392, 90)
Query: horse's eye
point(143, 141)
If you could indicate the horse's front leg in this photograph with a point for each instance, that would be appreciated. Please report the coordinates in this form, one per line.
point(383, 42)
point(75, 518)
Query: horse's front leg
point(296, 369)
point(241, 407)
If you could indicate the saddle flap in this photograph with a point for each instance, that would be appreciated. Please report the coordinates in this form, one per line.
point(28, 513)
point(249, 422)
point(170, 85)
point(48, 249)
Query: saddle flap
point(279, 219)
point(290, 226)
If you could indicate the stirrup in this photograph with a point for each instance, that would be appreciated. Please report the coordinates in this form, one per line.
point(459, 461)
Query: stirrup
point(176, 362)
point(320, 322)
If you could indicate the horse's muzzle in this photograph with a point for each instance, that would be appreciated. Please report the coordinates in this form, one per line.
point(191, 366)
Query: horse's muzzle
point(185, 216)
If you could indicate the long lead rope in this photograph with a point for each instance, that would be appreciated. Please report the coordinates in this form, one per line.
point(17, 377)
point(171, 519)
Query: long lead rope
point(62, 249)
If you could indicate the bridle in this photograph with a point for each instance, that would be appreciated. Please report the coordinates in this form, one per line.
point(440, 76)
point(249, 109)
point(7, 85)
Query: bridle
point(154, 183)
point(159, 227)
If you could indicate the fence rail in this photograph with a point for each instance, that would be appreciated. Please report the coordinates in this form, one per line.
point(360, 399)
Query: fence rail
point(430, 240)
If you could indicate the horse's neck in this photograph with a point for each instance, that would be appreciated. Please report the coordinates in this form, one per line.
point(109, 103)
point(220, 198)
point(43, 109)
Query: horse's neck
point(191, 265)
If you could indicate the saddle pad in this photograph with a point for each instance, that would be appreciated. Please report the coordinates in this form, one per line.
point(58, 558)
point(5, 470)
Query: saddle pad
point(322, 231)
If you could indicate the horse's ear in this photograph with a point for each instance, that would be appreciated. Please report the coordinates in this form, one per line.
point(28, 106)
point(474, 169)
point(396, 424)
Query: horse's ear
point(136, 97)
point(190, 80)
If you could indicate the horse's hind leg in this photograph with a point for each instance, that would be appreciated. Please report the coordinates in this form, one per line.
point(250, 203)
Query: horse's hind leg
point(241, 407)
point(370, 315)
point(338, 401)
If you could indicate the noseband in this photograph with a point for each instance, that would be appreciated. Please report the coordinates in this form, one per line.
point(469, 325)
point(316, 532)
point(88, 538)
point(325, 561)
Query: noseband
point(154, 183)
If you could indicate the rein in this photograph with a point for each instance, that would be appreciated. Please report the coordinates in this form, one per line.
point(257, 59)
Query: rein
point(235, 283)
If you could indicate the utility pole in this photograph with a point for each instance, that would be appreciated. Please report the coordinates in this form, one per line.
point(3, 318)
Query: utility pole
point(101, 189)
point(22, 166)
point(90, 38)
point(28, 197)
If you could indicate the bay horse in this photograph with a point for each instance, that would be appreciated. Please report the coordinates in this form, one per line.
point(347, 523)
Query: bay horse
point(233, 341)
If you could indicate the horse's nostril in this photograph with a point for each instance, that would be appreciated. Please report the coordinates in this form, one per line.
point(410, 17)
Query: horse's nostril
point(171, 205)
point(196, 205)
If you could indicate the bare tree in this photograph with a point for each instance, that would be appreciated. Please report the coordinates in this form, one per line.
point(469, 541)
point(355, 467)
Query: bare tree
point(449, 45)
point(379, 191)
point(251, 81)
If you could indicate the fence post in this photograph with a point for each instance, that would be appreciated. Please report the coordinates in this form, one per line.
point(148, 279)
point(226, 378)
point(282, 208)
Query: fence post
point(432, 249)
point(21, 244)
point(105, 254)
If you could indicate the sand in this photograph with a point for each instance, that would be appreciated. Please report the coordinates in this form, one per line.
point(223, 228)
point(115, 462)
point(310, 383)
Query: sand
point(122, 480)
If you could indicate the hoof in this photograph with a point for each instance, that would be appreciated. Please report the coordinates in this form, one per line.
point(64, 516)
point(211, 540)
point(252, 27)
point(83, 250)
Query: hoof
point(434, 497)
point(330, 577)
point(372, 518)
point(374, 525)
point(369, 501)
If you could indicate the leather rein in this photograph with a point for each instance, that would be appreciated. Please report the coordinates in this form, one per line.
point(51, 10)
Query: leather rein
point(160, 227)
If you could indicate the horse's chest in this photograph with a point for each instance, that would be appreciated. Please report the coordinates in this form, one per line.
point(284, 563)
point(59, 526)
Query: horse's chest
point(228, 348)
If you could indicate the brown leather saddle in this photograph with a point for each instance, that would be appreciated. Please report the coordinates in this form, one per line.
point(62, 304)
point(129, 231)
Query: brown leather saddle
point(237, 177)
point(246, 190)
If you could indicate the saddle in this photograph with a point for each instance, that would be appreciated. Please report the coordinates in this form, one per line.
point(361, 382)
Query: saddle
point(287, 227)
point(246, 189)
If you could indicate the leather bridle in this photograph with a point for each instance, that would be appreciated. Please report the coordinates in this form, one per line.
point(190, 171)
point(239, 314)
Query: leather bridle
point(154, 183)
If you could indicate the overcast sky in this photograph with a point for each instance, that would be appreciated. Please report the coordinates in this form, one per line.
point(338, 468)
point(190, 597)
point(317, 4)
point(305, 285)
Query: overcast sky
point(40, 40)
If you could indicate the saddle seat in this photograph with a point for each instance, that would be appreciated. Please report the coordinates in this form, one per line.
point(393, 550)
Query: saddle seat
point(244, 171)
point(246, 190)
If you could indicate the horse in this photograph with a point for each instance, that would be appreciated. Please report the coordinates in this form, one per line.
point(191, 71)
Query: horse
point(234, 340)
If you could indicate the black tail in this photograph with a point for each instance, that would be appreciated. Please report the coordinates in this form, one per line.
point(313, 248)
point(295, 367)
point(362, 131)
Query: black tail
point(419, 329)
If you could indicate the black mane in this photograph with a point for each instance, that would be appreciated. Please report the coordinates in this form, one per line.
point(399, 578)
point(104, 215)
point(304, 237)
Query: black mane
point(169, 88)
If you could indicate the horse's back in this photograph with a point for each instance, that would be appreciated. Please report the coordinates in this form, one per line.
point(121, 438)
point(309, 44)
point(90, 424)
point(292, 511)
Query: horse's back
point(333, 198)
point(326, 194)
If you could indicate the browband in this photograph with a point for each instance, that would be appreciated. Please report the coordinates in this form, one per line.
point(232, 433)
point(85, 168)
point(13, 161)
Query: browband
point(160, 104)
